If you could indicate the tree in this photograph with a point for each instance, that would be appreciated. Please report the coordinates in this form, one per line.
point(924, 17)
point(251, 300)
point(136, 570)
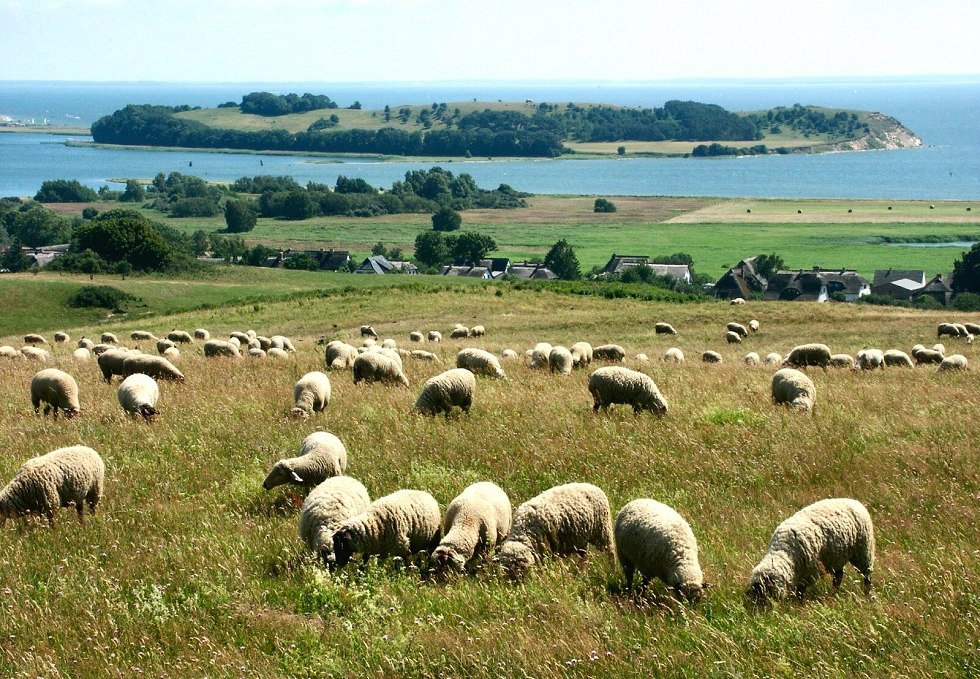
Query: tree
point(621, 150)
point(37, 226)
point(767, 265)
point(14, 258)
point(127, 235)
point(379, 248)
point(966, 271)
point(603, 205)
point(562, 260)
point(240, 216)
point(301, 262)
point(89, 212)
point(298, 205)
point(134, 193)
point(447, 219)
point(64, 191)
point(432, 248)
point(258, 255)
point(200, 242)
point(229, 248)
point(470, 247)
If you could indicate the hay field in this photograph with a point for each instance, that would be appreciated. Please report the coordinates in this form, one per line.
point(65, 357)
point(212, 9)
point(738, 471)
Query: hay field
point(190, 569)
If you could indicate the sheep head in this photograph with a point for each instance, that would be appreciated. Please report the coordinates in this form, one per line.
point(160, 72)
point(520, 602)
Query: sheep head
point(282, 472)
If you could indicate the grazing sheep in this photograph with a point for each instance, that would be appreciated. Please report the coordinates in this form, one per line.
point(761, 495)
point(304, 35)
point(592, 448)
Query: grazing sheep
point(869, 359)
point(138, 395)
point(938, 346)
point(923, 355)
point(326, 507)
point(35, 353)
point(389, 344)
point(581, 354)
point(654, 539)
point(953, 362)
point(792, 388)
point(7, 351)
point(961, 330)
point(841, 361)
point(538, 355)
point(642, 358)
point(282, 342)
point(62, 338)
point(476, 521)
point(422, 355)
point(321, 456)
point(393, 354)
point(156, 367)
point(264, 342)
point(214, 348)
point(164, 344)
point(253, 343)
point(751, 359)
point(236, 342)
point(171, 354)
point(947, 329)
point(808, 354)
point(733, 337)
point(754, 325)
point(377, 367)
point(459, 332)
point(482, 362)
point(400, 524)
point(664, 329)
point(109, 338)
point(86, 343)
point(560, 360)
point(80, 354)
point(773, 359)
point(202, 334)
point(711, 357)
point(673, 355)
point(831, 533)
point(738, 301)
point(434, 336)
point(256, 353)
point(111, 363)
point(64, 477)
point(367, 344)
point(275, 352)
point(368, 331)
point(339, 355)
point(58, 390)
point(561, 520)
point(454, 387)
point(609, 352)
point(311, 394)
point(622, 385)
point(34, 338)
point(416, 336)
point(478, 331)
point(142, 336)
point(737, 328)
point(240, 337)
point(508, 354)
point(896, 358)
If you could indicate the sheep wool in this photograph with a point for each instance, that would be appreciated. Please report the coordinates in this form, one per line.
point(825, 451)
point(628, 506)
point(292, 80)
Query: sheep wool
point(538, 355)
point(793, 388)
point(142, 336)
point(65, 477)
point(953, 362)
point(374, 366)
point(773, 358)
point(164, 344)
point(615, 384)
point(453, 388)
point(416, 336)
point(57, 390)
point(216, 348)
point(34, 338)
point(478, 331)
point(400, 524)
point(7, 351)
point(34, 353)
point(947, 329)
point(256, 353)
point(897, 358)
point(62, 337)
point(733, 337)
point(754, 325)
point(560, 360)
point(282, 342)
point(869, 359)
point(109, 338)
point(480, 362)
point(434, 336)
point(654, 539)
point(738, 329)
point(805, 355)
point(138, 395)
point(711, 357)
point(673, 355)
point(609, 352)
point(202, 334)
point(80, 354)
point(321, 456)
point(508, 354)
point(171, 354)
point(311, 394)
point(751, 359)
point(841, 361)
point(339, 355)
point(581, 354)
point(664, 329)
point(326, 507)
point(561, 520)
point(938, 346)
point(972, 328)
point(476, 521)
point(459, 332)
point(180, 337)
point(86, 343)
point(156, 367)
point(831, 533)
point(275, 352)
point(923, 355)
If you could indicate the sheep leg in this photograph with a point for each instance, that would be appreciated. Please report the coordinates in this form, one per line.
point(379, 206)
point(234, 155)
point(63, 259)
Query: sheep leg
point(628, 570)
point(867, 583)
point(80, 508)
point(838, 577)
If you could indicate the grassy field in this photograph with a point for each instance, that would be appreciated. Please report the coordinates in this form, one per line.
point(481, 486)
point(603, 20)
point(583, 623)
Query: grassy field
point(191, 569)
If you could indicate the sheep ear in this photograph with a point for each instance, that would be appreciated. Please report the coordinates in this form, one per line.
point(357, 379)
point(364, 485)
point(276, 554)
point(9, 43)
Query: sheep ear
point(706, 585)
point(296, 477)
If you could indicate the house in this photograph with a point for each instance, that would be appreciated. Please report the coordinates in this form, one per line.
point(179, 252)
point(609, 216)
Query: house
point(531, 271)
point(938, 288)
point(816, 285)
point(377, 264)
point(328, 260)
point(899, 284)
point(742, 280)
point(617, 264)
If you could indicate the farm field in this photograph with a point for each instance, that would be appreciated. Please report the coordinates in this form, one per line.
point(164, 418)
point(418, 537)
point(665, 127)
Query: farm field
point(189, 568)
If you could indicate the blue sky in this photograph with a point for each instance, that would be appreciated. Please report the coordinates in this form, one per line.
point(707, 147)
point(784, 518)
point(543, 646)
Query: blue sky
point(479, 40)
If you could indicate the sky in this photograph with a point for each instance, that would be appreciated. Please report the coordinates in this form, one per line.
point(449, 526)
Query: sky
point(483, 40)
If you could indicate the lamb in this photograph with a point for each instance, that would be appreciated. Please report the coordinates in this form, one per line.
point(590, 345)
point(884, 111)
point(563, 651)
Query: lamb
point(62, 478)
point(609, 352)
point(326, 507)
point(508, 354)
point(321, 456)
point(86, 343)
point(142, 336)
point(642, 358)
point(476, 521)
point(478, 331)
point(841, 361)
point(831, 533)
point(34, 353)
point(751, 359)
point(416, 336)
point(282, 342)
point(737, 328)
point(561, 520)
point(164, 344)
point(138, 395)
point(459, 332)
point(754, 325)
point(377, 367)
point(202, 334)
point(793, 388)
point(339, 355)
point(34, 338)
point(454, 387)
point(808, 354)
point(434, 336)
point(311, 394)
point(400, 524)
point(482, 362)
point(896, 358)
point(869, 359)
point(256, 353)
point(953, 362)
point(923, 355)
point(156, 367)
point(62, 338)
point(368, 331)
point(275, 352)
point(738, 301)
point(109, 338)
point(654, 539)
point(664, 329)
point(214, 348)
point(673, 355)
point(80, 354)
point(58, 390)
point(733, 337)
point(560, 360)
point(711, 357)
point(615, 384)
point(538, 355)
point(581, 354)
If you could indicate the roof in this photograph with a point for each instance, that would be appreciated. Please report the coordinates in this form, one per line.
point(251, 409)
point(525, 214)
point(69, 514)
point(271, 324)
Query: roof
point(883, 276)
point(619, 263)
point(375, 264)
point(806, 285)
point(937, 284)
point(468, 271)
point(496, 264)
point(741, 280)
point(531, 271)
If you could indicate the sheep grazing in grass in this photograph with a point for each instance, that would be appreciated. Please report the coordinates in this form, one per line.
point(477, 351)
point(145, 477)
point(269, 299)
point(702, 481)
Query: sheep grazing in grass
point(654, 539)
point(614, 384)
point(256, 353)
point(311, 394)
point(841, 361)
point(829, 533)
point(80, 354)
point(100, 348)
point(86, 343)
point(434, 336)
point(138, 395)
point(62, 338)
point(422, 355)
point(508, 354)
point(57, 390)
point(805, 355)
point(581, 354)
point(947, 330)
point(481, 362)
point(35, 353)
point(896, 358)
point(561, 520)
point(416, 336)
point(609, 352)
point(751, 359)
point(264, 342)
point(733, 337)
point(400, 524)
point(641, 358)
point(673, 355)
point(321, 456)
point(171, 354)
point(377, 367)
point(738, 301)
point(325, 508)
point(156, 367)
point(476, 521)
point(793, 388)
point(869, 359)
point(215, 348)
point(773, 358)
point(538, 355)
point(111, 363)
point(142, 336)
point(954, 362)
point(339, 355)
point(711, 357)
point(7, 351)
point(961, 330)
point(389, 344)
point(66, 477)
point(929, 356)
point(478, 331)
point(459, 332)
point(664, 329)
point(737, 328)
point(368, 331)
point(754, 325)
point(240, 337)
point(281, 342)
point(109, 338)
point(164, 344)
point(453, 388)
point(938, 346)
point(34, 338)
point(202, 334)
point(560, 360)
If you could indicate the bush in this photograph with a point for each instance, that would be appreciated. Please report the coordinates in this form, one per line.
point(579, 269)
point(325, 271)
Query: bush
point(447, 219)
point(65, 191)
point(90, 213)
point(603, 205)
point(966, 301)
point(302, 261)
point(240, 216)
point(98, 296)
point(194, 207)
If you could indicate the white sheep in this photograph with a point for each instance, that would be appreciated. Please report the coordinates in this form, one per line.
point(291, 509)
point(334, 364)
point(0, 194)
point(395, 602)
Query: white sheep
point(215, 348)
point(733, 337)
point(57, 390)
point(142, 336)
point(773, 358)
point(673, 355)
point(180, 336)
point(664, 329)
point(831, 533)
point(321, 456)
point(738, 301)
point(738, 329)
point(368, 331)
point(62, 337)
point(929, 356)
point(711, 357)
point(86, 343)
point(34, 338)
point(953, 362)
point(480, 362)
point(389, 344)
point(377, 367)
point(793, 388)
point(400, 524)
point(109, 338)
point(422, 355)
point(164, 344)
point(7, 351)
point(264, 342)
point(615, 384)
point(751, 359)
point(869, 359)
point(972, 328)
point(938, 346)
point(805, 355)
point(35, 353)
point(64, 477)
point(476, 521)
point(99, 349)
point(434, 336)
point(81, 354)
point(609, 352)
point(282, 342)
point(478, 331)
point(654, 539)
point(754, 325)
point(560, 360)
point(156, 367)
point(276, 352)
point(897, 358)
point(508, 354)
point(111, 362)
point(256, 353)
point(538, 355)
point(240, 337)
point(416, 336)
point(841, 361)
point(202, 334)
point(138, 395)
point(642, 358)
point(581, 354)
point(171, 354)
point(339, 355)
point(947, 329)
point(441, 393)
point(311, 394)
point(459, 332)
point(326, 507)
point(561, 520)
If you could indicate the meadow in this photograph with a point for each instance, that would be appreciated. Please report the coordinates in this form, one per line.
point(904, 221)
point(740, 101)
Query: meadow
point(191, 569)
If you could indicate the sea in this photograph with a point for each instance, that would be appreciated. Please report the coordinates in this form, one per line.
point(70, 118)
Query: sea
point(941, 111)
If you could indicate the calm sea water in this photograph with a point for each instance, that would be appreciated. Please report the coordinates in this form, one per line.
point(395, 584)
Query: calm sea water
point(942, 113)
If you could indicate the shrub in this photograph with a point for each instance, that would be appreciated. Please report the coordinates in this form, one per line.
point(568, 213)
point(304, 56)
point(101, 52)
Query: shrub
point(98, 296)
point(603, 205)
point(447, 219)
point(64, 191)
point(966, 301)
point(240, 216)
point(194, 207)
